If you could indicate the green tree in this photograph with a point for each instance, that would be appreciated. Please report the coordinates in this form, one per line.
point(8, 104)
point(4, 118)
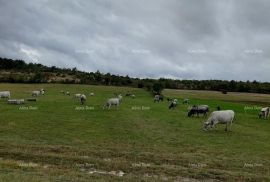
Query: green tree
point(158, 87)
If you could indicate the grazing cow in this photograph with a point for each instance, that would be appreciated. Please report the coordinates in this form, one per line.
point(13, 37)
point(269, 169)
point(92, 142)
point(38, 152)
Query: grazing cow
point(82, 99)
point(91, 94)
point(113, 102)
point(35, 93)
point(264, 113)
point(77, 95)
point(38, 92)
point(219, 117)
point(68, 93)
point(186, 101)
point(5, 94)
point(173, 103)
point(158, 98)
point(202, 109)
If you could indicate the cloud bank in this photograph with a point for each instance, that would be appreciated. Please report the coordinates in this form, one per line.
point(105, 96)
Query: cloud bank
point(182, 39)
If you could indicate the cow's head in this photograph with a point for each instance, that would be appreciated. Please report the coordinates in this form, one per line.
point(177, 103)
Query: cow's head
point(190, 113)
point(261, 114)
point(206, 125)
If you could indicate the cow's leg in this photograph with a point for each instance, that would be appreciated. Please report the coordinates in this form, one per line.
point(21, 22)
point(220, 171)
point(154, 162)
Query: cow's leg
point(226, 129)
point(205, 114)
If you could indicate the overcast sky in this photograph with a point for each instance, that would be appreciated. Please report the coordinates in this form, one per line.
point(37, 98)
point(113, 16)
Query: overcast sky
point(183, 39)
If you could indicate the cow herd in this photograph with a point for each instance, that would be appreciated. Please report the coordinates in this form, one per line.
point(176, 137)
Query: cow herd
point(216, 117)
point(115, 101)
point(7, 95)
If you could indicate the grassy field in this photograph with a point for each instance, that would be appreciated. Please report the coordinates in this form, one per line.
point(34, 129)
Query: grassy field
point(55, 139)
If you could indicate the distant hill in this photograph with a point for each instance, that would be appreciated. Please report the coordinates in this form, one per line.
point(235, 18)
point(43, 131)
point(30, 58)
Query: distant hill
point(17, 71)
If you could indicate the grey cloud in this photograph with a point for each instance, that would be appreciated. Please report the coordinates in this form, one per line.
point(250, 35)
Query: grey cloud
point(186, 39)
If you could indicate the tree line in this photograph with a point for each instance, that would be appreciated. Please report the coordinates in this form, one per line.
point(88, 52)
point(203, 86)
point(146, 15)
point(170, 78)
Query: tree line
point(18, 71)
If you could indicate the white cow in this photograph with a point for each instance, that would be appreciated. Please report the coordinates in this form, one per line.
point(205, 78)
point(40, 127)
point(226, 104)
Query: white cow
point(91, 94)
point(264, 113)
point(38, 92)
point(113, 102)
point(77, 95)
point(82, 99)
point(220, 117)
point(5, 94)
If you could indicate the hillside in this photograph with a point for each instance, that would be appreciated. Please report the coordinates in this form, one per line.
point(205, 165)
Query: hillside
point(17, 71)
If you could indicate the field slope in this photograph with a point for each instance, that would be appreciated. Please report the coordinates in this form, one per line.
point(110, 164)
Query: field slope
point(55, 139)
